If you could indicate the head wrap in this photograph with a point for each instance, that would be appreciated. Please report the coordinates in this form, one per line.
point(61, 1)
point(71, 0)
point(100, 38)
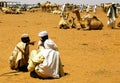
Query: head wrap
point(25, 38)
point(49, 44)
point(43, 33)
point(24, 35)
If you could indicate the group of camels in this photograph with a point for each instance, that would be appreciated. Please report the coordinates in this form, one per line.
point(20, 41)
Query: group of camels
point(11, 10)
point(86, 22)
point(48, 7)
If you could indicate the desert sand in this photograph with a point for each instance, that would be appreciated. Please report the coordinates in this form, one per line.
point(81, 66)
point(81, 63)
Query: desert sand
point(88, 56)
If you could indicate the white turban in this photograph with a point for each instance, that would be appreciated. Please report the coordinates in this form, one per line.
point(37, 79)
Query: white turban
point(43, 33)
point(24, 35)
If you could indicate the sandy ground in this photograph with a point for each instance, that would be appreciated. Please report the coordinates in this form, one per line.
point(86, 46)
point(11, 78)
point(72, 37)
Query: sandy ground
point(88, 56)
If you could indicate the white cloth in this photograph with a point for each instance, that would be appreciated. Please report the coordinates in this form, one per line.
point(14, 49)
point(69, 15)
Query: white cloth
point(88, 8)
point(112, 14)
point(63, 8)
point(24, 35)
point(46, 62)
point(50, 65)
point(43, 33)
point(95, 7)
point(81, 8)
point(41, 47)
point(49, 44)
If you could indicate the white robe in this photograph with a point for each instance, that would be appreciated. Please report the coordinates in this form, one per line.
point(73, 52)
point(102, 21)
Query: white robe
point(50, 65)
point(46, 62)
point(112, 14)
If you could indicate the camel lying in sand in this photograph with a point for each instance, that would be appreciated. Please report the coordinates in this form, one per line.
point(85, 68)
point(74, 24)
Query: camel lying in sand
point(63, 23)
point(88, 22)
point(66, 22)
point(8, 10)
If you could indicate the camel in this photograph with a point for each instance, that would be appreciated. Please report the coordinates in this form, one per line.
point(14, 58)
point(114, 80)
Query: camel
point(66, 22)
point(43, 7)
point(48, 7)
point(88, 22)
point(8, 10)
point(72, 22)
point(17, 11)
point(91, 24)
point(63, 23)
point(106, 6)
point(54, 7)
point(56, 12)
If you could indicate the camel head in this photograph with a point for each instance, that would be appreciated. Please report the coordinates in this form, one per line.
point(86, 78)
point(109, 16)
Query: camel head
point(76, 11)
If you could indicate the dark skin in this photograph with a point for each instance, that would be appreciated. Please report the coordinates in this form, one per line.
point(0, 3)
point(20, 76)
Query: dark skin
point(32, 43)
point(44, 38)
point(27, 41)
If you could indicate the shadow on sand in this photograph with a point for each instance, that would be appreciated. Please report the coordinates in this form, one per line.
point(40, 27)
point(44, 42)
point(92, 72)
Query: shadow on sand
point(10, 73)
point(34, 75)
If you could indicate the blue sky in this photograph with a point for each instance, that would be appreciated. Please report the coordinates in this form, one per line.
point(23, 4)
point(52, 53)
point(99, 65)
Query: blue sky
point(66, 1)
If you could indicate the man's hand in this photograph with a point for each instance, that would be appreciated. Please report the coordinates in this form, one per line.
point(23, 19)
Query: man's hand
point(32, 43)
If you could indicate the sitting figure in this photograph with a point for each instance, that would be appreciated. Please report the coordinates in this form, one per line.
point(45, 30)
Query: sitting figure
point(19, 57)
point(46, 63)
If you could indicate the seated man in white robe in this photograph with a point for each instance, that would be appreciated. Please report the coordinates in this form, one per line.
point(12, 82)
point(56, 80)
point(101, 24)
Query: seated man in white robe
point(47, 63)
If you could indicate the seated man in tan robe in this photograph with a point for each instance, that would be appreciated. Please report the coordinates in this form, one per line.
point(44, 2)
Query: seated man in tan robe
point(19, 57)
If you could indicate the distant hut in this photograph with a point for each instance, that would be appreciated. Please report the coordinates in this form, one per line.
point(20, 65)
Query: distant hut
point(3, 4)
point(8, 3)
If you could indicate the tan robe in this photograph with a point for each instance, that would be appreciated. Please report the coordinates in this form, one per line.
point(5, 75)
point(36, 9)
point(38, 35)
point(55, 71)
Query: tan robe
point(20, 53)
